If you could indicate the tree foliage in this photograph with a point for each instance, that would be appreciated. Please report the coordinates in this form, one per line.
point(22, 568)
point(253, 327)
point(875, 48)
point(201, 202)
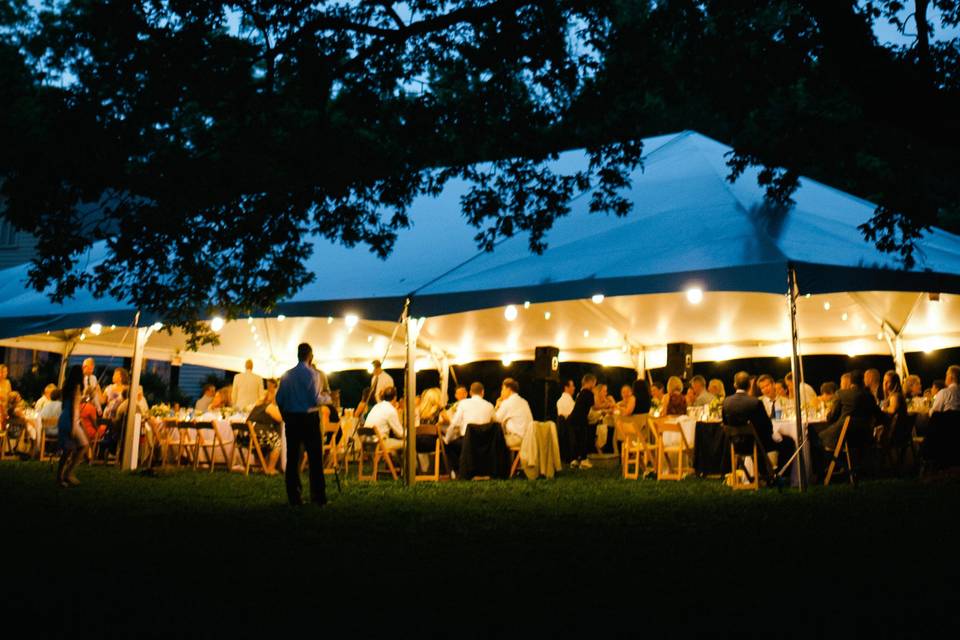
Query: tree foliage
point(205, 142)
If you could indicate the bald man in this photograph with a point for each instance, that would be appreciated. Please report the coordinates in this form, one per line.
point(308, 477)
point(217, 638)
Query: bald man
point(247, 388)
point(91, 386)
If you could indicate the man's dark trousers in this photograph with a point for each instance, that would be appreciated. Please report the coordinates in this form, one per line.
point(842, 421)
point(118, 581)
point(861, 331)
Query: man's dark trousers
point(303, 430)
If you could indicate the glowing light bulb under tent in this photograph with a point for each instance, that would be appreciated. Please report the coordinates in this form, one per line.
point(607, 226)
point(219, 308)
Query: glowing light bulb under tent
point(510, 313)
point(216, 323)
point(694, 295)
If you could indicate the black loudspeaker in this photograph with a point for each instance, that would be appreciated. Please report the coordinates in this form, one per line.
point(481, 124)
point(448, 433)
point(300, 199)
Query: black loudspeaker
point(546, 363)
point(680, 360)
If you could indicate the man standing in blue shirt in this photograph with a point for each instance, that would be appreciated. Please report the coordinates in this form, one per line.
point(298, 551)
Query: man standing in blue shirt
point(299, 399)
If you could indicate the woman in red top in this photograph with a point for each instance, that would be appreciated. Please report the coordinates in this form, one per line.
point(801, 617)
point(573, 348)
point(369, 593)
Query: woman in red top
point(88, 420)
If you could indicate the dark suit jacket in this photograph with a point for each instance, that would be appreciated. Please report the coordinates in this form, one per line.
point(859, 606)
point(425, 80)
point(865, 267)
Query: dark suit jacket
point(742, 407)
point(856, 403)
point(578, 418)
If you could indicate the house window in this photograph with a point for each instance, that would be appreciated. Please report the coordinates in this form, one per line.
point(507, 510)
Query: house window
point(8, 235)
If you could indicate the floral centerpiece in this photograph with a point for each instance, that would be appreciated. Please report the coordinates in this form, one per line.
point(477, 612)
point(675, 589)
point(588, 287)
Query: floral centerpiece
point(161, 410)
point(715, 408)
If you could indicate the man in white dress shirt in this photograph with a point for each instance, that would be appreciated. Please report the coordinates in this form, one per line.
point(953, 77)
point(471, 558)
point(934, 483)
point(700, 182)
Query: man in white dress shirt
point(772, 403)
point(379, 382)
point(472, 410)
point(384, 418)
point(91, 387)
point(247, 388)
point(700, 393)
point(808, 397)
point(566, 402)
point(948, 398)
point(513, 413)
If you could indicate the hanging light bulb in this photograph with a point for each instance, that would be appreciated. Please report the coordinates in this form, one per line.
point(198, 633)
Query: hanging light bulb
point(281, 318)
point(546, 315)
point(216, 323)
point(526, 304)
point(510, 313)
point(694, 295)
point(96, 328)
point(597, 298)
point(826, 306)
point(351, 320)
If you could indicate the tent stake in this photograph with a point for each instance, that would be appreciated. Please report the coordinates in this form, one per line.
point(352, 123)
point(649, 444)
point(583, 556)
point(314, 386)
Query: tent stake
point(792, 293)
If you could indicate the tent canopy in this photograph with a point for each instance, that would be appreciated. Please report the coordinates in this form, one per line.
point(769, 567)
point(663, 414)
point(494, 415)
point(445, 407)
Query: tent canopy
point(690, 228)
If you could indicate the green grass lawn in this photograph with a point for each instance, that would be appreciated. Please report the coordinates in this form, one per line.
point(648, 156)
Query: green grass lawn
point(186, 552)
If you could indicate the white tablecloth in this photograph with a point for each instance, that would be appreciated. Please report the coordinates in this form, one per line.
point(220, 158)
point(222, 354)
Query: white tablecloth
point(787, 427)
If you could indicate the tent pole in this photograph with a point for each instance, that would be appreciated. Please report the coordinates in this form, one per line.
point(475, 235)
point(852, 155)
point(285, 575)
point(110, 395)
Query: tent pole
point(410, 400)
point(900, 358)
point(797, 370)
point(131, 439)
point(63, 364)
point(445, 379)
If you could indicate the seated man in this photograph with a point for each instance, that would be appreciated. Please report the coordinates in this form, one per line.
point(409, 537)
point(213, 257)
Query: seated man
point(948, 398)
point(513, 413)
point(473, 410)
point(50, 412)
point(384, 418)
point(203, 404)
point(852, 401)
point(698, 387)
point(741, 408)
point(773, 404)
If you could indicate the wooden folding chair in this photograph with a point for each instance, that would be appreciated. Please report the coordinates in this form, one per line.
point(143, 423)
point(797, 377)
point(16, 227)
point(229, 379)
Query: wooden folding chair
point(835, 456)
point(6, 445)
point(370, 441)
point(637, 453)
point(167, 438)
point(211, 442)
point(736, 435)
point(665, 470)
point(45, 441)
point(254, 453)
point(329, 431)
point(438, 452)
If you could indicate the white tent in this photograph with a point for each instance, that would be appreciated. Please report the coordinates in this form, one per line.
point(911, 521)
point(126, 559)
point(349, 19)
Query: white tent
point(690, 228)
point(698, 260)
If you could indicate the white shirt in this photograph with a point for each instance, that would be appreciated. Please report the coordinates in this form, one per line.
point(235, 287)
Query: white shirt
point(808, 397)
point(768, 405)
point(380, 382)
point(51, 409)
point(565, 405)
point(947, 399)
point(514, 414)
point(704, 399)
point(384, 418)
point(473, 410)
point(203, 404)
point(247, 387)
point(91, 388)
